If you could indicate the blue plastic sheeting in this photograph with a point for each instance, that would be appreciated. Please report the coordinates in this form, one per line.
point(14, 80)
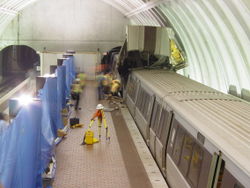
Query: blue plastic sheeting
point(72, 69)
point(70, 73)
point(49, 98)
point(3, 126)
point(61, 86)
point(67, 68)
point(49, 120)
point(20, 151)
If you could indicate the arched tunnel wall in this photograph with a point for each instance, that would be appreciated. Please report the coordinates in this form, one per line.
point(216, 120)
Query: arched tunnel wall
point(60, 25)
point(214, 34)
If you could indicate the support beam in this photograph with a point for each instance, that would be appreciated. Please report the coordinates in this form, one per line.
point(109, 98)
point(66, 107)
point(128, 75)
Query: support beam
point(145, 7)
point(8, 11)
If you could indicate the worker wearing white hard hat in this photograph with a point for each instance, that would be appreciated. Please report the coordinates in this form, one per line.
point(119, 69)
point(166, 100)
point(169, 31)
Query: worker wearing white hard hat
point(99, 107)
point(101, 118)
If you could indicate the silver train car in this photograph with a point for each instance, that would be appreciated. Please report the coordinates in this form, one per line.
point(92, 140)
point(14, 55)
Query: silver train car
point(198, 136)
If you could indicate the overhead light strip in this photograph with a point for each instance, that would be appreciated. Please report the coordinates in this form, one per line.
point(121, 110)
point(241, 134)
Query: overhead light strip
point(145, 6)
point(8, 11)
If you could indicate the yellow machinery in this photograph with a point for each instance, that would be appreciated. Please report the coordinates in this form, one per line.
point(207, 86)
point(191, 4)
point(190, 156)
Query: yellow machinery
point(175, 53)
point(64, 113)
point(89, 136)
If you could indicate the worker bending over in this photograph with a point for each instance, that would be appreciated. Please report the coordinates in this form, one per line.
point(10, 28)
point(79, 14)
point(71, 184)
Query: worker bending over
point(76, 91)
point(101, 118)
point(82, 77)
point(115, 87)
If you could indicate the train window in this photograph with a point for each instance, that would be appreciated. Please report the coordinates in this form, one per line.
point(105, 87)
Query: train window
point(186, 153)
point(131, 89)
point(143, 102)
point(139, 99)
point(229, 181)
point(172, 137)
point(164, 126)
point(195, 165)
point(154, 114)
point(155, 117)
point(161, 123)
point(178, 144)
point(146, 105)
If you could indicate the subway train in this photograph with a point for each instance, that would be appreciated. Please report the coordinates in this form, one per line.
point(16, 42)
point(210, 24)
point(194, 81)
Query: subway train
point(198, 136)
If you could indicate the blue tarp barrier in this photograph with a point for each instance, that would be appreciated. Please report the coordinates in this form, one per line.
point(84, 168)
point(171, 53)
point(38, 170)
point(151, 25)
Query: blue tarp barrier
point(67, 78)
point(61, 86)
point(49, 122)
point(27, 145)
point(49, 98)
point(72, 69)
point(70, 73)
point(20, 152)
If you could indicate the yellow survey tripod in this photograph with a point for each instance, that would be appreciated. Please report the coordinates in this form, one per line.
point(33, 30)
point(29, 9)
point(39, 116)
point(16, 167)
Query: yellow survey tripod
point(101, 119)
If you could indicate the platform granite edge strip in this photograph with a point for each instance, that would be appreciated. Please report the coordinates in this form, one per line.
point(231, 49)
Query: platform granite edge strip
point(152, 170)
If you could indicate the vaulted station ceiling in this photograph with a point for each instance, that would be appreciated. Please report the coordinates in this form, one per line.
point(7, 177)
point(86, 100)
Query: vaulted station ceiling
point(9, 9)
point(215, 34)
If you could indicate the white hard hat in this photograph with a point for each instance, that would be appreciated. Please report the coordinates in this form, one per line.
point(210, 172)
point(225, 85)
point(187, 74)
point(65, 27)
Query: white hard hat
point(99, 107)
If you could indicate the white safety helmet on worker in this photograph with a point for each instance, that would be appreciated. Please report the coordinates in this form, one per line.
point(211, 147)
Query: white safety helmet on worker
point(99, 107)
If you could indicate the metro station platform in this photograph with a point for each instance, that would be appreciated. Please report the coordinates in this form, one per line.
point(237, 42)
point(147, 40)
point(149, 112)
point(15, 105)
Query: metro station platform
point(125, 161)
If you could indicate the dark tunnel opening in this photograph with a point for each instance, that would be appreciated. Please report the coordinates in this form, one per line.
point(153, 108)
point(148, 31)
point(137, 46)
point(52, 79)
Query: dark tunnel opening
point(17, 62)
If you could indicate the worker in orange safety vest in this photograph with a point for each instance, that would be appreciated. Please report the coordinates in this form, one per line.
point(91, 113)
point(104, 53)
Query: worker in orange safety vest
point(101, 118)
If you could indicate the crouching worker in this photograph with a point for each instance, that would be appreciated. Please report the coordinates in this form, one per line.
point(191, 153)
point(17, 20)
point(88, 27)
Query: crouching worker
point(115, 87)
point(101, 119)
point(75, 92)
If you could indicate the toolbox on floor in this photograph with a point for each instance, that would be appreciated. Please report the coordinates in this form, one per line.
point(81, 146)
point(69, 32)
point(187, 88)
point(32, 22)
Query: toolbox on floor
point(74, 121)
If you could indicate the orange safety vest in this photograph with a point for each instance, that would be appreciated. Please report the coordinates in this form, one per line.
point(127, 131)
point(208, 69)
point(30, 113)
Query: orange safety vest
point(98, 114)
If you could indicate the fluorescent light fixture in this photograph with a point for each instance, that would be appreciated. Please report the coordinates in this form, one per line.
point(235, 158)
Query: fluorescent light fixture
point(24, 100)
point(49, 75)
point(46, 75)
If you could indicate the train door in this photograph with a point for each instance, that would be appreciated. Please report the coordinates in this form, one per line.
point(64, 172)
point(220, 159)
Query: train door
point(156, 113)
point(188, 162)
point(226, 174)
point(230, 181)
point(131, 94)
point(162, 136)
point(222, 175)
point(216, 171)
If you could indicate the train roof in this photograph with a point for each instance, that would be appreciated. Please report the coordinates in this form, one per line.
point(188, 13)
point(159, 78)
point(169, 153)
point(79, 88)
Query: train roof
point(223, 119)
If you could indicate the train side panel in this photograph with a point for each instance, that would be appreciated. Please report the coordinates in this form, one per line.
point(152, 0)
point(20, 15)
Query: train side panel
point(173, 112)
point(187, 157)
